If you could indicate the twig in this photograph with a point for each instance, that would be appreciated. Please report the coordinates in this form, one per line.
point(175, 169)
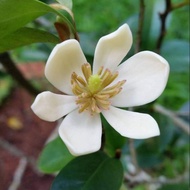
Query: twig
point(183, 114)
point(163, 16)
point(133, 156)
point(11, 68)
point(133, 152)
point(140, 26)
point(18, 174)
point(178, 121)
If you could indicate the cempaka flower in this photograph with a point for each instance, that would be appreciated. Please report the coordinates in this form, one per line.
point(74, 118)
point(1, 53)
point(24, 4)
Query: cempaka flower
point(103, 88)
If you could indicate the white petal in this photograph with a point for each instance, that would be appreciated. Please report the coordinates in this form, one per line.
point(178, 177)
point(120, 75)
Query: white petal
point(131, 124)
point(81, 132)
point(66, 58)
point(111, 49)
point(146, 75)
point(50, 107)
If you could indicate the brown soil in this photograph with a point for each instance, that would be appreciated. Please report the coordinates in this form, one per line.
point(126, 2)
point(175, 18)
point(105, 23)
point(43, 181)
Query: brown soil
point(26, 140)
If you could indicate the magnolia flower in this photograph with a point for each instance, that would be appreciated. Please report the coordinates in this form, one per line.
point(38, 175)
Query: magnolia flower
point(101, 89)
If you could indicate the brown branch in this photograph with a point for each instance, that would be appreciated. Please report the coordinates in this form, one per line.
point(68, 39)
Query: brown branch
point(137, 49)
point(163, 16)
point(140, 26)
point(11, 68)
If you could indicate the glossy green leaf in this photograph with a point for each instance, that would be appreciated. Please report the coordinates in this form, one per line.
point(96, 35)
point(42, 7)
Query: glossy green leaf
point(54, 156)
point(16, 14)
point(26, 36)
point(90, 172)
point(67, 3)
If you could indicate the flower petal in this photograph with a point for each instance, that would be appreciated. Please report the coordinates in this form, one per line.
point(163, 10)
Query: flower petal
point(81, 132)
point(131, 124)
point(146, 75)
point(66, 58)
point(112, 48)
point(50, 107)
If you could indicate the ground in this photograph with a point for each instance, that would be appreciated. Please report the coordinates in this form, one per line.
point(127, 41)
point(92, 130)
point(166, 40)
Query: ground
point(22, 137)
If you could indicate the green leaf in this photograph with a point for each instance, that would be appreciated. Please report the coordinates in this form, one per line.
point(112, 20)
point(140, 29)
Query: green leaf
point(13, 16)
point(25, 36)
point(176, 53)
point(54, 156)
point(90, 172)
point(67, 3)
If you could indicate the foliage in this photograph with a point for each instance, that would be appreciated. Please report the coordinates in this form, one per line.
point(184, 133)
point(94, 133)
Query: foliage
point(90, 172)
point(165, 155)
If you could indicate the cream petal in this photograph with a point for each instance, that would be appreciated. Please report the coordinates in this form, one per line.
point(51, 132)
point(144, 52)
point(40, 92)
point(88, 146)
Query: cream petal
point(50, 107)
point(146, 75)
point(131, 124)
point(81, 132)
point(112, 48)
point(66, 58)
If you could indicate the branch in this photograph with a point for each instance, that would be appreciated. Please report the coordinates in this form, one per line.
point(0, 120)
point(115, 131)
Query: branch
point(178, 121)
point(163, 16)
point(140, 26)
point(11, 68)
point(133, 152)
point(133, 156)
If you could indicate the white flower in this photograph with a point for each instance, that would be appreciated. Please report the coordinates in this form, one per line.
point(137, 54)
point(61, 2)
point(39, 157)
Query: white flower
point(137, 81)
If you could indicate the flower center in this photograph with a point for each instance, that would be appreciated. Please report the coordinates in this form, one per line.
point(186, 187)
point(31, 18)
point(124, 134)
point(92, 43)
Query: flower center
point(94, 83)
point(92, 91)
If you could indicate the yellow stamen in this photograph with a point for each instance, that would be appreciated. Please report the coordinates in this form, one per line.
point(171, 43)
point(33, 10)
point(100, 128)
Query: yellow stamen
point(92, 91)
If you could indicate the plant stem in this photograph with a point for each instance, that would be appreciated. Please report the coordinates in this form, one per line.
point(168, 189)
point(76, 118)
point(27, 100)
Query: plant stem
point(11, 68)
point(133, 152)
point(140, 27)
point(163, 16)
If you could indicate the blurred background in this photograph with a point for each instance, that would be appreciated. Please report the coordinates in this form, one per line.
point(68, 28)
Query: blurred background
point(164, 160)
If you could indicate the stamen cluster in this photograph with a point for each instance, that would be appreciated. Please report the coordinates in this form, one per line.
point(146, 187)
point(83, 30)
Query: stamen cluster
point(92, 91)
